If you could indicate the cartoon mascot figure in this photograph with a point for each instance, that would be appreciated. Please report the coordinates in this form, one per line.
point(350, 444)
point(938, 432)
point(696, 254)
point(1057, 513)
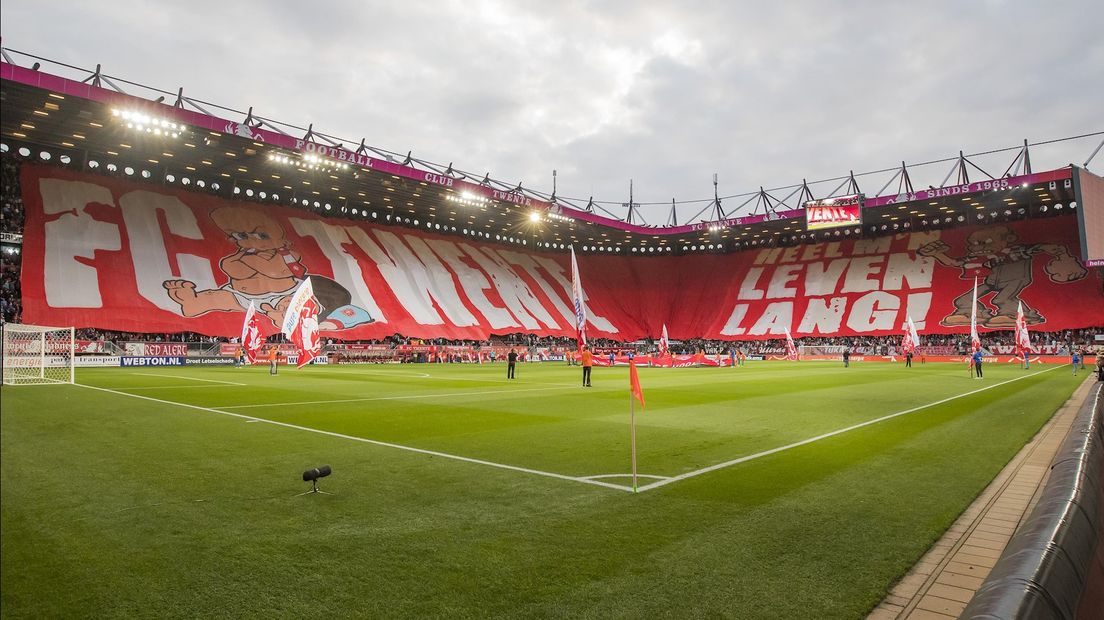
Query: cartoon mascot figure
point(265, 269)
point(1008, 264)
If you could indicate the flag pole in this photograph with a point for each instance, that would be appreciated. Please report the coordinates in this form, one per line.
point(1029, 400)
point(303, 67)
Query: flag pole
point(632, 435)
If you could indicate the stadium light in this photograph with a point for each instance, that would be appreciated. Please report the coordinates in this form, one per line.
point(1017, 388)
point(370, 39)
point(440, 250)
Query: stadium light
point(534, 216)
point(312, 475)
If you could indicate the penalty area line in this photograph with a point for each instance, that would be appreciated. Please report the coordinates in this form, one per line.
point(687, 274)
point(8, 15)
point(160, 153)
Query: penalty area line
point(797, 444)
point(445, 455)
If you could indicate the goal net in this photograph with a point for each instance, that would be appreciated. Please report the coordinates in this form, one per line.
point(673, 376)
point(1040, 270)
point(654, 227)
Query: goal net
point(35, 355)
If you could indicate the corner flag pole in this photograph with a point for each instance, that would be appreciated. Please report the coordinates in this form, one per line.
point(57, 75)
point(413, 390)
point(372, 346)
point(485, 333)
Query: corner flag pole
point(634, 392)
point(632, 433)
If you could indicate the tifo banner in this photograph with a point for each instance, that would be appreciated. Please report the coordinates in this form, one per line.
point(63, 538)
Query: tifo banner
point(113, 254)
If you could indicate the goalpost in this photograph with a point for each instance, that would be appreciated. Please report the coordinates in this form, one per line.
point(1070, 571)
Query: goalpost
point(34, 355)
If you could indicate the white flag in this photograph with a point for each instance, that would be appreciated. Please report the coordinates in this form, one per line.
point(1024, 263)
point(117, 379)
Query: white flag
point(577, 300)
point(975, 341)
point(911, 339)
point(301, 323)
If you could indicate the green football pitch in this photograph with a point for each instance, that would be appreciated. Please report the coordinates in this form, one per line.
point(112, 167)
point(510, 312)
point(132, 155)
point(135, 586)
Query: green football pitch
point(777, 490)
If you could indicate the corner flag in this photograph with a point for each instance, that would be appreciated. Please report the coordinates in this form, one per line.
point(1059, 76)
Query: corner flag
point(634, 383)
point(251, 338)
point(638, 394)
point(301, 323)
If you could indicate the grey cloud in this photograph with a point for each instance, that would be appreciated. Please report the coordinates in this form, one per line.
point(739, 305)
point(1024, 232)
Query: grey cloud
point(664, 93)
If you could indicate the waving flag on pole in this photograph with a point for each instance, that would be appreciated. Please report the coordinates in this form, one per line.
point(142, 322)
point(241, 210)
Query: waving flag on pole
point(663, 344)
point(791, 350)
point(1023, 338)
point(634, 383)
point(577, 300)
point(638, 394)
point(910, 340)
point(252, 341)
point(301, 323)
point(975, 341)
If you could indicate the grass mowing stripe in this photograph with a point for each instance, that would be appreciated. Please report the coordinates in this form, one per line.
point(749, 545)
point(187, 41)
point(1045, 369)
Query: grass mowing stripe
point(150, 374)
point(454, 457)
point(404, 397)
point(183, 387)
point(803, 442)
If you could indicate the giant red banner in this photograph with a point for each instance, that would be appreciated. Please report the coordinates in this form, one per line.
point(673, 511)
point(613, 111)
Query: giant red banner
point(114, 254)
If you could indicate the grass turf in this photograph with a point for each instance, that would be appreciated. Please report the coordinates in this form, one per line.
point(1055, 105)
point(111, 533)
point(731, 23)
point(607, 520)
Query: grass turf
point(121, 506)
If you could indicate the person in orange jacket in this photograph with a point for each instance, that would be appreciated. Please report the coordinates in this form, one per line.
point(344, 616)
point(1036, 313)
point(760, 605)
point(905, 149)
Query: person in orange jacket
point(587, 359)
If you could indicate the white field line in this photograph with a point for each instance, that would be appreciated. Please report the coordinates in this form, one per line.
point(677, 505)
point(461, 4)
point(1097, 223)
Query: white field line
point(406, 397)
point(373, 442)
point(150, 374)
point(803, 442)
point(599, 476)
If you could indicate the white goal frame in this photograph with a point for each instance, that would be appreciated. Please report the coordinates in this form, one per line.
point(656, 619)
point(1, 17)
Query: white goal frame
point(37, 355)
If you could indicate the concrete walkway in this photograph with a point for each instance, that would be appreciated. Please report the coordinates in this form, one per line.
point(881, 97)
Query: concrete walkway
point(945, 579)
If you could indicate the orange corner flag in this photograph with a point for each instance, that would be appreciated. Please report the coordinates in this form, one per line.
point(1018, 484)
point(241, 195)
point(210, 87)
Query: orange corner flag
point(634, 383)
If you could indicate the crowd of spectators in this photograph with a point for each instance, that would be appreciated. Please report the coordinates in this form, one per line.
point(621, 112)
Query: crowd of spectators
point(11, 221)
point(11, 199)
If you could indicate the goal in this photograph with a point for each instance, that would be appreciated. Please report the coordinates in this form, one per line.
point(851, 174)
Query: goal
point(37, 355)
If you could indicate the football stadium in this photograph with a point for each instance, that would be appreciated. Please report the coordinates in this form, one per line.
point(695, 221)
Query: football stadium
point(255, 370)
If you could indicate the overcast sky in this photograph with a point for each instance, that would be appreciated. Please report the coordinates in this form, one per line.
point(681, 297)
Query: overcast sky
point(664, 93)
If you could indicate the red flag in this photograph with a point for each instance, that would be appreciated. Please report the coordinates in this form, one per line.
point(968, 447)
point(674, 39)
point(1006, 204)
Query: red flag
point(634, 383)
point(252, 341)
point(1022, 337)
point(663, 343)
point(305, 336)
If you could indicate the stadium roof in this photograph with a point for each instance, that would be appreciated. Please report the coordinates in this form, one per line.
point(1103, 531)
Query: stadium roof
point(92, 124)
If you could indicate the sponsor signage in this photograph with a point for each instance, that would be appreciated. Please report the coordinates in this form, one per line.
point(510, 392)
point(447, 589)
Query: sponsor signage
point(151, 361)
point(209, 361)
point(834, 212)
point(166, 349)
point(156, 349)
point(90, 361)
